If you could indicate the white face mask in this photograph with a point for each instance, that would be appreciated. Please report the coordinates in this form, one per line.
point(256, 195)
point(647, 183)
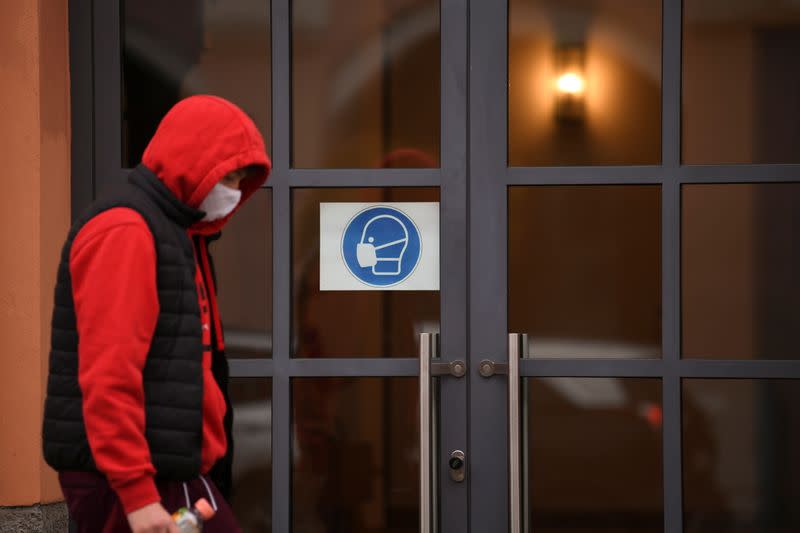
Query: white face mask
point(220, 202)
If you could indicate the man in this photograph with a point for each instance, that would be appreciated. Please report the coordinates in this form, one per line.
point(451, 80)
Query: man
point(137, 420)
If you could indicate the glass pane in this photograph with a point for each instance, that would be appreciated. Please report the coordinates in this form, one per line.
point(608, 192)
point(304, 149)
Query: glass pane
point(610, 482)
point(740, 461)
point(584, 270)
point(175, 49)
point(741, 87)
point(243, 263)
point(355, 466)
point(365, 83)
point(584, 82)
point(352, 323)
point(740, 258)
point(252, 459)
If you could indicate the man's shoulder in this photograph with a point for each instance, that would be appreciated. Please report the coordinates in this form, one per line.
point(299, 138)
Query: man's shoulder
point(114, 219)
point(116, 216)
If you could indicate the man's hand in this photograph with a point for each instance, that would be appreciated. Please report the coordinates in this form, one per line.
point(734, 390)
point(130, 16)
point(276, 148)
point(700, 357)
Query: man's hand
point(152, 518)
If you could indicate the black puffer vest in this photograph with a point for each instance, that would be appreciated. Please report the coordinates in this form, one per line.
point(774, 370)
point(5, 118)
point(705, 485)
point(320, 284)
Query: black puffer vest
point(173, 376)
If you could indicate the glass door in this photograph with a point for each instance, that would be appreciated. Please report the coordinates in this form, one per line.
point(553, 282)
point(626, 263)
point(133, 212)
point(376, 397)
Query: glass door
point(347, 343)
point(606, 344)
point(366, 100)
point(628, 266)
point(572, 228)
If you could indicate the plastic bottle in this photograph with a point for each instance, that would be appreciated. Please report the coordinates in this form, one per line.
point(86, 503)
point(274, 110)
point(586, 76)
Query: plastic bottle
point(191, 520)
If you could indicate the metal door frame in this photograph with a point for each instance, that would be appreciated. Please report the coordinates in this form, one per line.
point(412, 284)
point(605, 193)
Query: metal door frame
point(95, 55)
point(490, 178)
point(474, 178)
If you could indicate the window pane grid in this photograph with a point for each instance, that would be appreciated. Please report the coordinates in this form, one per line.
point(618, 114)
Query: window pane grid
point(671, 371)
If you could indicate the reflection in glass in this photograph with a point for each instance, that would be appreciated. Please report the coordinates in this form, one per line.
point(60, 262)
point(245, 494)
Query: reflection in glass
point(741, 87)
point(178, 48)
point(740, 442)
point(740, 259)
point(584, 270)
point(365, 83)
point(584, 82)
point(355, 468)
point(252, 463)
point(243, 264)
point(594, 455)
point(352, 323)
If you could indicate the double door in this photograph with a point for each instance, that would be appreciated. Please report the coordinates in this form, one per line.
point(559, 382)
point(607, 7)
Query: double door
point(547, 376)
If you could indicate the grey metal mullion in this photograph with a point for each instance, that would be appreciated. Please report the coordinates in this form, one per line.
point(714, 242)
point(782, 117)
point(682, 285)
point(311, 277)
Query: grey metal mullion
point(396, 177)
point(353, 367)
point(671, 84)
point(738, 173)
point(82, 104)
point(281, 352)
point(488, 253)
point(670, 262)
point(670, 270)
point(281, 453)
point(671, 346)
point(107, 97)
point(583, 175)
point(632, 175)
point(683, 368)
point(281, 265)
point(250, 368)
point(452, 423)
point(672, 453)
point(730, 369)
point(592, 368)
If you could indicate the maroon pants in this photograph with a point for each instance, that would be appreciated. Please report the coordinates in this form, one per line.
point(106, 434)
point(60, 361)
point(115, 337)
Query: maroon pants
point(95, 507)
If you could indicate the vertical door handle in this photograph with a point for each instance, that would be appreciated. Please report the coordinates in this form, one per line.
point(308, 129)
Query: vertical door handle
point(517, 349)
point(428, 346)
point(429, 424)
point(517, 418)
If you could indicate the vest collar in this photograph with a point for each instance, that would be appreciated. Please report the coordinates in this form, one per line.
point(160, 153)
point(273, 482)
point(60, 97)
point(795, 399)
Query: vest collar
point(182, 214)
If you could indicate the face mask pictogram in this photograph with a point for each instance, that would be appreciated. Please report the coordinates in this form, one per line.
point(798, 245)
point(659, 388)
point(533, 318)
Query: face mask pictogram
point(379, 246)
point(383, 243)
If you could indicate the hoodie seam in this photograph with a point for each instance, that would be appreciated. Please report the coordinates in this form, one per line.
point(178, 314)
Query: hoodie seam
point(213, 166)
point(237, 113)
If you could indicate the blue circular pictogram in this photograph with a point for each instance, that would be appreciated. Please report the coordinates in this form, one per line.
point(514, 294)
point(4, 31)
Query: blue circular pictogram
point(381, 246)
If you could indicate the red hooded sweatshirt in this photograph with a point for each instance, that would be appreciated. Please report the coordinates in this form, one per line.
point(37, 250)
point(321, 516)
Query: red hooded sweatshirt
point(113, 269)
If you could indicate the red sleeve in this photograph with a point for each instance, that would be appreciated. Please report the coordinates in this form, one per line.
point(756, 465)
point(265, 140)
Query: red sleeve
point(113, 269)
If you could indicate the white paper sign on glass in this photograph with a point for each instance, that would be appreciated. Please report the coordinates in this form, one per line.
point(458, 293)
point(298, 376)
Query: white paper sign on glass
point(379, 246)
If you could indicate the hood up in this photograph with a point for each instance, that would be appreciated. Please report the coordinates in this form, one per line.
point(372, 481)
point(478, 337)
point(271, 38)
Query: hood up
point(200, 140)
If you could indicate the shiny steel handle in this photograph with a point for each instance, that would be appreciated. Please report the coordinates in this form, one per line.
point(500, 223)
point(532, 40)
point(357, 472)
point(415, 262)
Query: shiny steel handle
point(517, 349)
point(430, 367)
point(428, 345)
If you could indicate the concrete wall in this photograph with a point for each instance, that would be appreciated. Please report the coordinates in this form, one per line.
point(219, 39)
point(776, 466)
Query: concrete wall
point(34, 219)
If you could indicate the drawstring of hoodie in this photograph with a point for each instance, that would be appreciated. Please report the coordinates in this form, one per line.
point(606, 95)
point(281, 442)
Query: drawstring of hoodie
point(208, 491)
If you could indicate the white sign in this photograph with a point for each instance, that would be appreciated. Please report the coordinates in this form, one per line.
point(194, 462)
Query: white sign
point(376, 247)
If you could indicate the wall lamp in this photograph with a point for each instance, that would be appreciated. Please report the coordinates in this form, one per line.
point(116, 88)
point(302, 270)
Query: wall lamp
point(570, 82)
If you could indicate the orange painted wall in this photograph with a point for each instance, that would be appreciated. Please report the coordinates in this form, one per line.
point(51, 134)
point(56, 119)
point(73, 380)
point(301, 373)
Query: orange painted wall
point(34, 219)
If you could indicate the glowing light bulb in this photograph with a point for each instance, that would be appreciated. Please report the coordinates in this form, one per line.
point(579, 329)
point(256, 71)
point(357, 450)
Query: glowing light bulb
point(570, 83)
